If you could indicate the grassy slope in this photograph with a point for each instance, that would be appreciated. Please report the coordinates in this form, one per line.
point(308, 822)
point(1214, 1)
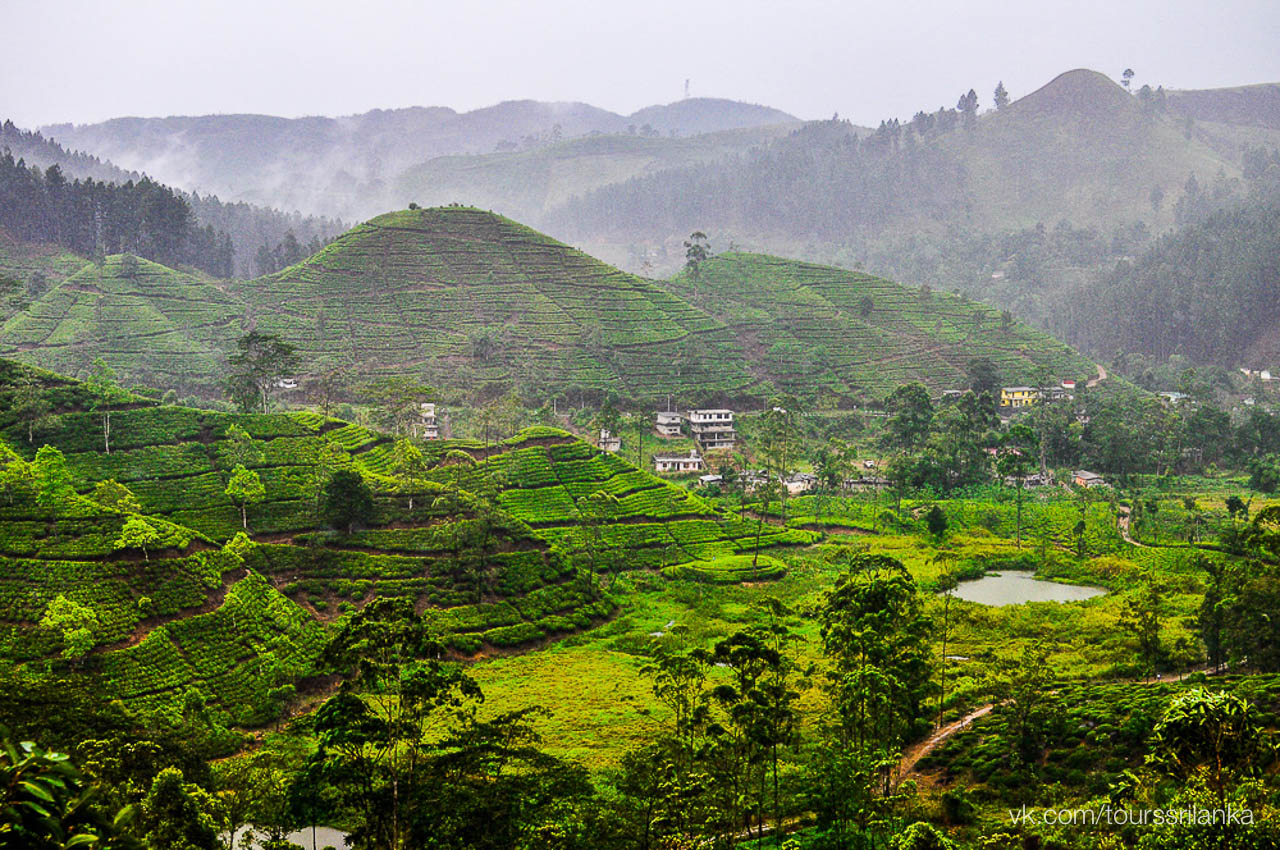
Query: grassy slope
point(1078, 149)
point(157, 326)
point(413, 292)
point(803, 324)
point(236, 628)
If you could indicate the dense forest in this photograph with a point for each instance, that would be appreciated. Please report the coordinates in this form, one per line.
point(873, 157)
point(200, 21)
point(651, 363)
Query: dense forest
point(1207, 291)
point(213, 228)
point(95, 218)
point(823, 181)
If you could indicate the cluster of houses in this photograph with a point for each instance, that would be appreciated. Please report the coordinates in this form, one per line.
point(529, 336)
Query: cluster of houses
point(712, 430)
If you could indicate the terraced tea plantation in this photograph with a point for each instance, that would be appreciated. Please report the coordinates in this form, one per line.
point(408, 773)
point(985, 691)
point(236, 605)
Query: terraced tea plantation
point(27, 267)
point(157, 326)
point(821, 331)
point(491, 543)
point(432, 291)
point(459, 297)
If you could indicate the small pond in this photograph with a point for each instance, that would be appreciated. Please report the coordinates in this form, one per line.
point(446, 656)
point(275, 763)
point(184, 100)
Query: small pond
point(1013, 587)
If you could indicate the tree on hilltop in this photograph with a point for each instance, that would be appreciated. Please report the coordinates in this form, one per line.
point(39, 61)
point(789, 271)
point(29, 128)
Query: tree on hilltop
point(696, 251)
point(968, 106)
point(1001, 95)
point(137, 533)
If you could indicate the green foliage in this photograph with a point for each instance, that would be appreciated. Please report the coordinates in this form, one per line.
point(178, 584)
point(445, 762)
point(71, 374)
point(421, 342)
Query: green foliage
point(117, 497)
point(245, 488)
point(46, 804)
point(179, 815)
point(260, 360)
point(137, 534)
point(1213, 733)
point(347, 501)
point(75, 622)
point(51, 477)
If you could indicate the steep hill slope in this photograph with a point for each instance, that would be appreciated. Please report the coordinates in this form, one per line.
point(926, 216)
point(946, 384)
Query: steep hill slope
point(461, 296)
point(826, 332)
point(1081, 149)
point(1244, 106)
point(28, 270)
point(1210, 292)
point(158, 326)
point(484, 541)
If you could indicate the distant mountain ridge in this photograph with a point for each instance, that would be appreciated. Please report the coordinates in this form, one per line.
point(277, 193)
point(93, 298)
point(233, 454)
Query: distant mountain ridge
point(313, 163)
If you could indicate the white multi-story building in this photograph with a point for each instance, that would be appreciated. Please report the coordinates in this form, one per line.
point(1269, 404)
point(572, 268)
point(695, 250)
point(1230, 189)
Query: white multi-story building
point(426, 428)
point(609, 442)
point(712, 428)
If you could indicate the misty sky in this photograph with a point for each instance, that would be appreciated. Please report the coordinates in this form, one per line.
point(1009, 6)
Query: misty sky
point(82, 61)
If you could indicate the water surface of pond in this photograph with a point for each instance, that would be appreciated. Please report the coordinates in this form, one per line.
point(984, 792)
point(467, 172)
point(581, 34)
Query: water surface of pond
point(1013, 587)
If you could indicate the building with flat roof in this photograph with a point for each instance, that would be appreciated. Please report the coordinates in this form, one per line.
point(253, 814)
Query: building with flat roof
point(609, 441)
point(426, 427)
point(691, 462)
point(712, 428)
point(668, 423)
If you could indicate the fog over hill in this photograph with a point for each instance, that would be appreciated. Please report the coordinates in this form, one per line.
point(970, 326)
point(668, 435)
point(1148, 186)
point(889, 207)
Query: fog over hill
point(337, 166)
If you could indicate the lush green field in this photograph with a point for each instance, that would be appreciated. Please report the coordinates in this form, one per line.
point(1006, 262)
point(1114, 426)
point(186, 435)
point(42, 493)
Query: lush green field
point(157, 326)
point(27, 270)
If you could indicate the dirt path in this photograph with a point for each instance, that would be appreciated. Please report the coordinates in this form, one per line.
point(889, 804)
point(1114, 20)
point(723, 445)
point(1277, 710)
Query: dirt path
point(1122, 525)
point(1102, 376)
point(916, 752)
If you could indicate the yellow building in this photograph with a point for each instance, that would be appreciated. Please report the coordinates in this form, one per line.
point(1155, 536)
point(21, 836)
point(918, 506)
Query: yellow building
point(1018, 396)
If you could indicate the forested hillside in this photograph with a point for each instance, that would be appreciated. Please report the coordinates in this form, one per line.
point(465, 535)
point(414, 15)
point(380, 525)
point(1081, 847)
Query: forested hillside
point(1080, 149)
point(88, 205)
point(1209, 291)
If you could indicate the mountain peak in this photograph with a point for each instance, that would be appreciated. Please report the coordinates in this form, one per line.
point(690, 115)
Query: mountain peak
point(1080, 92)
